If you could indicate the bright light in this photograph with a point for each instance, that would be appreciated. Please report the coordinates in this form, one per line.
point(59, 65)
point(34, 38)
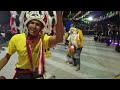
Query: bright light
point(90, 18)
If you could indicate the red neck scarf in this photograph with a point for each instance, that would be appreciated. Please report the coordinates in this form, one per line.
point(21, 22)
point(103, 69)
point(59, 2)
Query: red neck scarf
point(41, 66)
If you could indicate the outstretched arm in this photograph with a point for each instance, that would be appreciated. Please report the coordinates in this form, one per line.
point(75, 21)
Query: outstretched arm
point(4, 60)
point(59, 31)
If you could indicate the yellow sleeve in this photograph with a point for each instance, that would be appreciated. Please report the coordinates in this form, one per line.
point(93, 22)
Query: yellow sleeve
point(81, 37)
point(45, 41)
point(66, 35)
point(11, 46)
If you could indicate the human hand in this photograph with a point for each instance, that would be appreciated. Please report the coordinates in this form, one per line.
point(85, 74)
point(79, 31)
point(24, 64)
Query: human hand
point(79, 45)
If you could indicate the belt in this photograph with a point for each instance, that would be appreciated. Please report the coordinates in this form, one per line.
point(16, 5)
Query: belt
point(25, 70)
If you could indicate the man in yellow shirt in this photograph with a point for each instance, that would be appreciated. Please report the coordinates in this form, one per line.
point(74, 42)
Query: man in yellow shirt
point(76, 39)
point(30, 45)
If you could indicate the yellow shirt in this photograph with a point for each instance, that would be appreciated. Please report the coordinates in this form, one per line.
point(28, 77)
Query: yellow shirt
point(66, 35)
point(80, 38)
point(76, 38)
point(18, 44)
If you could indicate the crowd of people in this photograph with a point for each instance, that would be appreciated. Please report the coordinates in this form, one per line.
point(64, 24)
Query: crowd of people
point(5, 34)
point(111, 35)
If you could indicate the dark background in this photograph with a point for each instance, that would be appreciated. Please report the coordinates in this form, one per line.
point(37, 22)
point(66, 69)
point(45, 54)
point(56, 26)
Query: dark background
point(5, 16)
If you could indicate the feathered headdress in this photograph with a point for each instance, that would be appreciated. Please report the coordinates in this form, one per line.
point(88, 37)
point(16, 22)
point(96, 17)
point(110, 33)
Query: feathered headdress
point(43, 16)
point(12, 22)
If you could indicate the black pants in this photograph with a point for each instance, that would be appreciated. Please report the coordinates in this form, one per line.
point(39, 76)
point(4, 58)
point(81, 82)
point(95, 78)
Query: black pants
point(24, 74)
point(76, 57)
point(113, 38)
point(108, 41)
point(118, 39)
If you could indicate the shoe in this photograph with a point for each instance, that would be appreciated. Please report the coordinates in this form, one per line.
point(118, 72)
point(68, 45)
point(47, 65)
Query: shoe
point(71, 65)
point(66, 62)
point(70, 62)
point(107, 45)
point(52, 77)
point(77, 68)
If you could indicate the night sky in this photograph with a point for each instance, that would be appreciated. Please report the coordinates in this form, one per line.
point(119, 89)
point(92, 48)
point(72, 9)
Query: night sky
point(4, 17)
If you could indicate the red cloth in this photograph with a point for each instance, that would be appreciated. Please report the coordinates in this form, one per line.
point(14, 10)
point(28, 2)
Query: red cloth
point(41, 67)
point(72, 49)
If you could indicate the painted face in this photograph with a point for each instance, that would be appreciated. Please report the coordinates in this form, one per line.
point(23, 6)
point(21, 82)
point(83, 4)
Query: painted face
point(35, 27)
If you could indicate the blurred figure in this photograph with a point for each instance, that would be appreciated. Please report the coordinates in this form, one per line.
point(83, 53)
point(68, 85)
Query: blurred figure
point(108, 36)
point(113, 33)
point(76, 39)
